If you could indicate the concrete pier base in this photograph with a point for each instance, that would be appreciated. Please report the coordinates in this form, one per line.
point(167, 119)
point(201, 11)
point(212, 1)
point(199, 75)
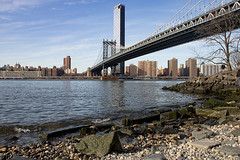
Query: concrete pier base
point(108, 78)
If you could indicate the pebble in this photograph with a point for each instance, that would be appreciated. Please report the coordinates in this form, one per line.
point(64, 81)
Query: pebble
point(184, 150)
point(163, 146)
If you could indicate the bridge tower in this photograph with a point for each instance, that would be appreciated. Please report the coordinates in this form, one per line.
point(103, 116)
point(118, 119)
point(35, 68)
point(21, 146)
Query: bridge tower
point(109, 49)
point(119, 34)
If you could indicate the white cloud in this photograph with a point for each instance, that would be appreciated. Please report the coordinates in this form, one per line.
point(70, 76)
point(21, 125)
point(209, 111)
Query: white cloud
point(6, 18)
point(81, 2)
point(16, 5)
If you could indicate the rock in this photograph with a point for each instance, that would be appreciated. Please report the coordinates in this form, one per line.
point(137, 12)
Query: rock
point(20, 158)
point(143, 130)
point(99, 145)
point(169, 130)
point(189, 89)
point(160, 111)
point(187, 112)
point(215, 88)
point(200, 90)
point(126, 140)
point(236, 132)
point(155, 157)
point(234, 151)
point(202, 134)
point(231, 110)
point(126, 131)
point(229, 142)
point(3, 149)
point(12, 138)
point(171, 115)
point(129, 122)
point(211, 122)
point(60, 132)
point(204, 144)
point(43, 136)
point(151, 125)
point(104, 127)
point(209, 113)
point(88, 130)
point(222, 120)
point(164, 88)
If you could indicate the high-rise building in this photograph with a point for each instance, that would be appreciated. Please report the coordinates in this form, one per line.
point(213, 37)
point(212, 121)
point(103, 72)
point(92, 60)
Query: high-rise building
point(127, 73)
point(141, 68)
point(173, 67)
point(54, 71)
point(151, 68)
point(181, 70)
point(75, 70)
point(67, 64)
point(119, 32)
point(191, 67)
point(154, 70)
point(133, 70)
point(147, 68)
point(210, 69)
point(17, 67)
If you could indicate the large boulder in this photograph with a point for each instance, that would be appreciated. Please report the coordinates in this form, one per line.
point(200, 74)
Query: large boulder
point(209, 113)
point(231, 110)
point(187, 112)
point(200, 90)
point(202, 134)
point(170, 115)
point(100, 145)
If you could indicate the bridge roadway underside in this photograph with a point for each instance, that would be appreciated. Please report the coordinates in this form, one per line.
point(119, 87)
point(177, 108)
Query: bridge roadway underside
point(181, 37)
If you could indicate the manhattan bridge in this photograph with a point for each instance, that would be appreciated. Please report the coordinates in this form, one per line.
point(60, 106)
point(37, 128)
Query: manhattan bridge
point(181, 28)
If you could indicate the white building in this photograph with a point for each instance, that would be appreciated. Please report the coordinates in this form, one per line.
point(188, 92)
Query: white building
point(210, 69)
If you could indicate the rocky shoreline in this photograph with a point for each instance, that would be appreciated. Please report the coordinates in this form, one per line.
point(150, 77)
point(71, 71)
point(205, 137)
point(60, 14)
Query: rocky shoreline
point(210, 130)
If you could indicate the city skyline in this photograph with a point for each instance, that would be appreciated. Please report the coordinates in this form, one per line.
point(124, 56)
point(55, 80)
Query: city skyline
point(42, 32)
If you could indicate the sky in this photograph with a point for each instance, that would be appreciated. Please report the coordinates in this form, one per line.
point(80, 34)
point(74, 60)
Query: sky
point(43, 32)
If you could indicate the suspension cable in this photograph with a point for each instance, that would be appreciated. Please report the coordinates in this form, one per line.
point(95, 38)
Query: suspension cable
point(159, 28)
point(187, 12)
point(99, 58)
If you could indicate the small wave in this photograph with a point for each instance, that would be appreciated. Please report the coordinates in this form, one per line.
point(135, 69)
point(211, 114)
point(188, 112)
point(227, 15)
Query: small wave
point(21, 130)
point(101, 120)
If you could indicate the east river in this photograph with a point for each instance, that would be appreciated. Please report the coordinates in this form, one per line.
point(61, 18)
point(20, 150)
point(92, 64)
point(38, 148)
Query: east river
point(39, 105)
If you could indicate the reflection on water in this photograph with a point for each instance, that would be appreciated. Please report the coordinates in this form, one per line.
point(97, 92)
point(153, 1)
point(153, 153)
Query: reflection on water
point(27, 103)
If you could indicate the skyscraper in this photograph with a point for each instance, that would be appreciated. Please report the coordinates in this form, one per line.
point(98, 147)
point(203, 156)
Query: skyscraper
point(147, 68)
point(127, 73)
point(142, 69)
point(133, 70)
point(191, 67)
point(173, 67)
point(67, 64)
point(119, 32)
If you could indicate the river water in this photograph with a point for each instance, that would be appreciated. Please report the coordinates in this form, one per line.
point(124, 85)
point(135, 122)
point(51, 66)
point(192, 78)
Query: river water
point(34, 106)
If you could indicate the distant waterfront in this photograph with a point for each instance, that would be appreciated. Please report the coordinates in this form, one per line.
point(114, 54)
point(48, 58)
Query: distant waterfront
point(54, 104)
point(95, 78)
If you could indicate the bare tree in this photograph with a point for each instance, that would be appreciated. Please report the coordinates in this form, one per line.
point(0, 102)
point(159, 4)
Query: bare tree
point(224, 37)
point(235, 60)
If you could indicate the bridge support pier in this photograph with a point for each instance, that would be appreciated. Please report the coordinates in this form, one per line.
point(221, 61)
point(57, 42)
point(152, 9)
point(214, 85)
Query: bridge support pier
point(89, 73)
point(104, 71)
point(113, 71)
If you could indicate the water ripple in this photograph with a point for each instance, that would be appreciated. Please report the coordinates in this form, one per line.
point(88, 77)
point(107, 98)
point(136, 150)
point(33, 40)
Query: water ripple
point(41, 102)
